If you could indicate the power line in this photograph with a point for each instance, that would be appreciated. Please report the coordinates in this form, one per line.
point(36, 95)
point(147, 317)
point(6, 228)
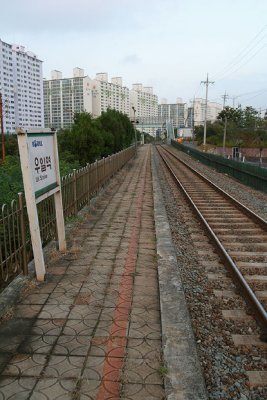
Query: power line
point(243, 54)
point(242, 65)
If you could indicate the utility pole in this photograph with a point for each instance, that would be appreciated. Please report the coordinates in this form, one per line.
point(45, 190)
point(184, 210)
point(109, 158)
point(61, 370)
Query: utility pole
point(193, 118)
point(207, 83)
point(2, 128)
point(225, 96)
point(135, 136)
point(234, 97)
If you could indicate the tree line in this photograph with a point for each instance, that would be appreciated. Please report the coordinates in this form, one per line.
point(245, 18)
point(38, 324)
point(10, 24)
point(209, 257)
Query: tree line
point(243, 127)
point(87, 140)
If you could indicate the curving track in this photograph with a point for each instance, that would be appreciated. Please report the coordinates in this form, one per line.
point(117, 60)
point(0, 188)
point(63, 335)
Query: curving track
point(240, 236)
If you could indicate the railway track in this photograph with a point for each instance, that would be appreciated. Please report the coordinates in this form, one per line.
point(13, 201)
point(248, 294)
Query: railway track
point(239, 235)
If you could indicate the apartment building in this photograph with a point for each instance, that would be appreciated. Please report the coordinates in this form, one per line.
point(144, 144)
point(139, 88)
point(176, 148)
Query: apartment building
point(196, 113)
point(63, 97)
point(109, 95)
point(144, 107)
point(21, 87)
point(174, 112)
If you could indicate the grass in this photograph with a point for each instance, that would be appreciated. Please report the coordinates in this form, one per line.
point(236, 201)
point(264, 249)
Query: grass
point(163, 371)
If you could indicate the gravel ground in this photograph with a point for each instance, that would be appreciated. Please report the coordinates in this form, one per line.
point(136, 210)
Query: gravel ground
point(253, 199)
point(223, 364)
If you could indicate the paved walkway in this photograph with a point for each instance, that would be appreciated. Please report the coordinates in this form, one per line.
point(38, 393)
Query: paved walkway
point(93, 329)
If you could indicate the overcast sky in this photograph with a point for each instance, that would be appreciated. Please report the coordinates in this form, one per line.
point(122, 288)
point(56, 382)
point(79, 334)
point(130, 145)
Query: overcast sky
point(168, 44)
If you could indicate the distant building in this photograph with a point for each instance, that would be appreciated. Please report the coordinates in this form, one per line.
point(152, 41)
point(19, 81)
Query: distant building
point(21, 86)
point(109, 95)
point(196, 113)
point(175, 113)
point(63, 97)
point(145, 104)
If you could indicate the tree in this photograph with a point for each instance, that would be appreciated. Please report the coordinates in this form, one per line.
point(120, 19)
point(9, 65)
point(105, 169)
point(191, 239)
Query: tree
point(119, 126)
point(233, 115)
point(250, 117)
point(10, 179)
point(83, 140)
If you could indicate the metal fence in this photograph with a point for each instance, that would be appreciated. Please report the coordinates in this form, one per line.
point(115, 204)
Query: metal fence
point(250, 175)
point(77, 189)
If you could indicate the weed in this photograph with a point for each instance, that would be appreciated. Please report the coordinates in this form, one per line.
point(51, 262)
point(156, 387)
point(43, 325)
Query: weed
point(163, 371)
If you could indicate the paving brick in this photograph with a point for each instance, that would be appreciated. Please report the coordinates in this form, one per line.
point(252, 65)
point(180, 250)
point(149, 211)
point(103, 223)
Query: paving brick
point(93, 329)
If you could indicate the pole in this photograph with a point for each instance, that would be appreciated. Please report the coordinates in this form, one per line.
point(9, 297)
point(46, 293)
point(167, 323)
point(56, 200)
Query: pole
point(2, 128)
point(225, 96)
point(224, 134)
point(193, 120)
point(207, 83)
point(134, 110)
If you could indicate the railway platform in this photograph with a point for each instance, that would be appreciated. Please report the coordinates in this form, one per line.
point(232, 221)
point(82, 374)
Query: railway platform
point(110, 321)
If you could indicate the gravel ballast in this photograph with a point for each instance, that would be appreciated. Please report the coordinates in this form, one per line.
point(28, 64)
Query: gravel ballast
point(224, 365)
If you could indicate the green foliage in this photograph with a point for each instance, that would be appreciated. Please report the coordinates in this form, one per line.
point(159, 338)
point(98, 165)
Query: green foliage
point(233, 115)
point(11, 145)
point(88, 139)
point(243, 128)
point(10, 179)
point(82, 142)
point(117, 128)
point(148, 138)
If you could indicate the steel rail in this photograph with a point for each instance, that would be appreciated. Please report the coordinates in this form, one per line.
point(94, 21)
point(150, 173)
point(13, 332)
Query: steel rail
point(260, 313)
point(241, 206)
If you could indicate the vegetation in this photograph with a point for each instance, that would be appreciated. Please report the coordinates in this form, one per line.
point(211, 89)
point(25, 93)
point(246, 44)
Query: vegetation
point(243, 128)
point(87, 140)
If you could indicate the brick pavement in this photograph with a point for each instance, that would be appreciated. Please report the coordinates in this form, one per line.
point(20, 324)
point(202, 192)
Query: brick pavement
point(93, 330)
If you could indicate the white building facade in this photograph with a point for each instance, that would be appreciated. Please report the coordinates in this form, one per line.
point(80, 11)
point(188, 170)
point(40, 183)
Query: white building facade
point(111, 95)
point(63, 97)
point(198, 111)
point(143, 106)
point(175, 113)
point(21, 87)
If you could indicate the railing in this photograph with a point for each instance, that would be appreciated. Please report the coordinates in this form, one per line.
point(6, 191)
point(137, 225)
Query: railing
point(77, 189)
point(250, 175)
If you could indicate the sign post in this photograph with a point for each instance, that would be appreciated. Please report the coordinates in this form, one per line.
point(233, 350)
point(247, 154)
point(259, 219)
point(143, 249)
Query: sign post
point(41, 178)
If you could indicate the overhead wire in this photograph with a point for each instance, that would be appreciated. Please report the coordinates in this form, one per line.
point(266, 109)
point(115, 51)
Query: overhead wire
point(243, 54)
point(242, 65)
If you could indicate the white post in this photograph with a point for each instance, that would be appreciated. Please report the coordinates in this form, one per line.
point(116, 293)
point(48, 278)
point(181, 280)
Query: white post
point(58, 204)
point(31, 209)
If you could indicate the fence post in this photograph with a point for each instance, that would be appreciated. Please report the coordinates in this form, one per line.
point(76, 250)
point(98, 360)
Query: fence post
point(75, 191)
point(22, 232)
point(88, 182)
point(97, 182)
point(108, 160)
point(104, 171)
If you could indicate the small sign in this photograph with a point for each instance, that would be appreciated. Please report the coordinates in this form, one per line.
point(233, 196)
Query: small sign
point(42, 162)
point(41, 179)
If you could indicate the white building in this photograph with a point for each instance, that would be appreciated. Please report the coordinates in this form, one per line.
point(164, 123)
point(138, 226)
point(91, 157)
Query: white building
point(199, 106)
point(175, 113)
point(21, 86)
point(65, 96)
point(110, 95)
point(145, 104)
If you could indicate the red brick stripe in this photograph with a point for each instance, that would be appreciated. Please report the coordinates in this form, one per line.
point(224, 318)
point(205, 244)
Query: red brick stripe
point(110, 385)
